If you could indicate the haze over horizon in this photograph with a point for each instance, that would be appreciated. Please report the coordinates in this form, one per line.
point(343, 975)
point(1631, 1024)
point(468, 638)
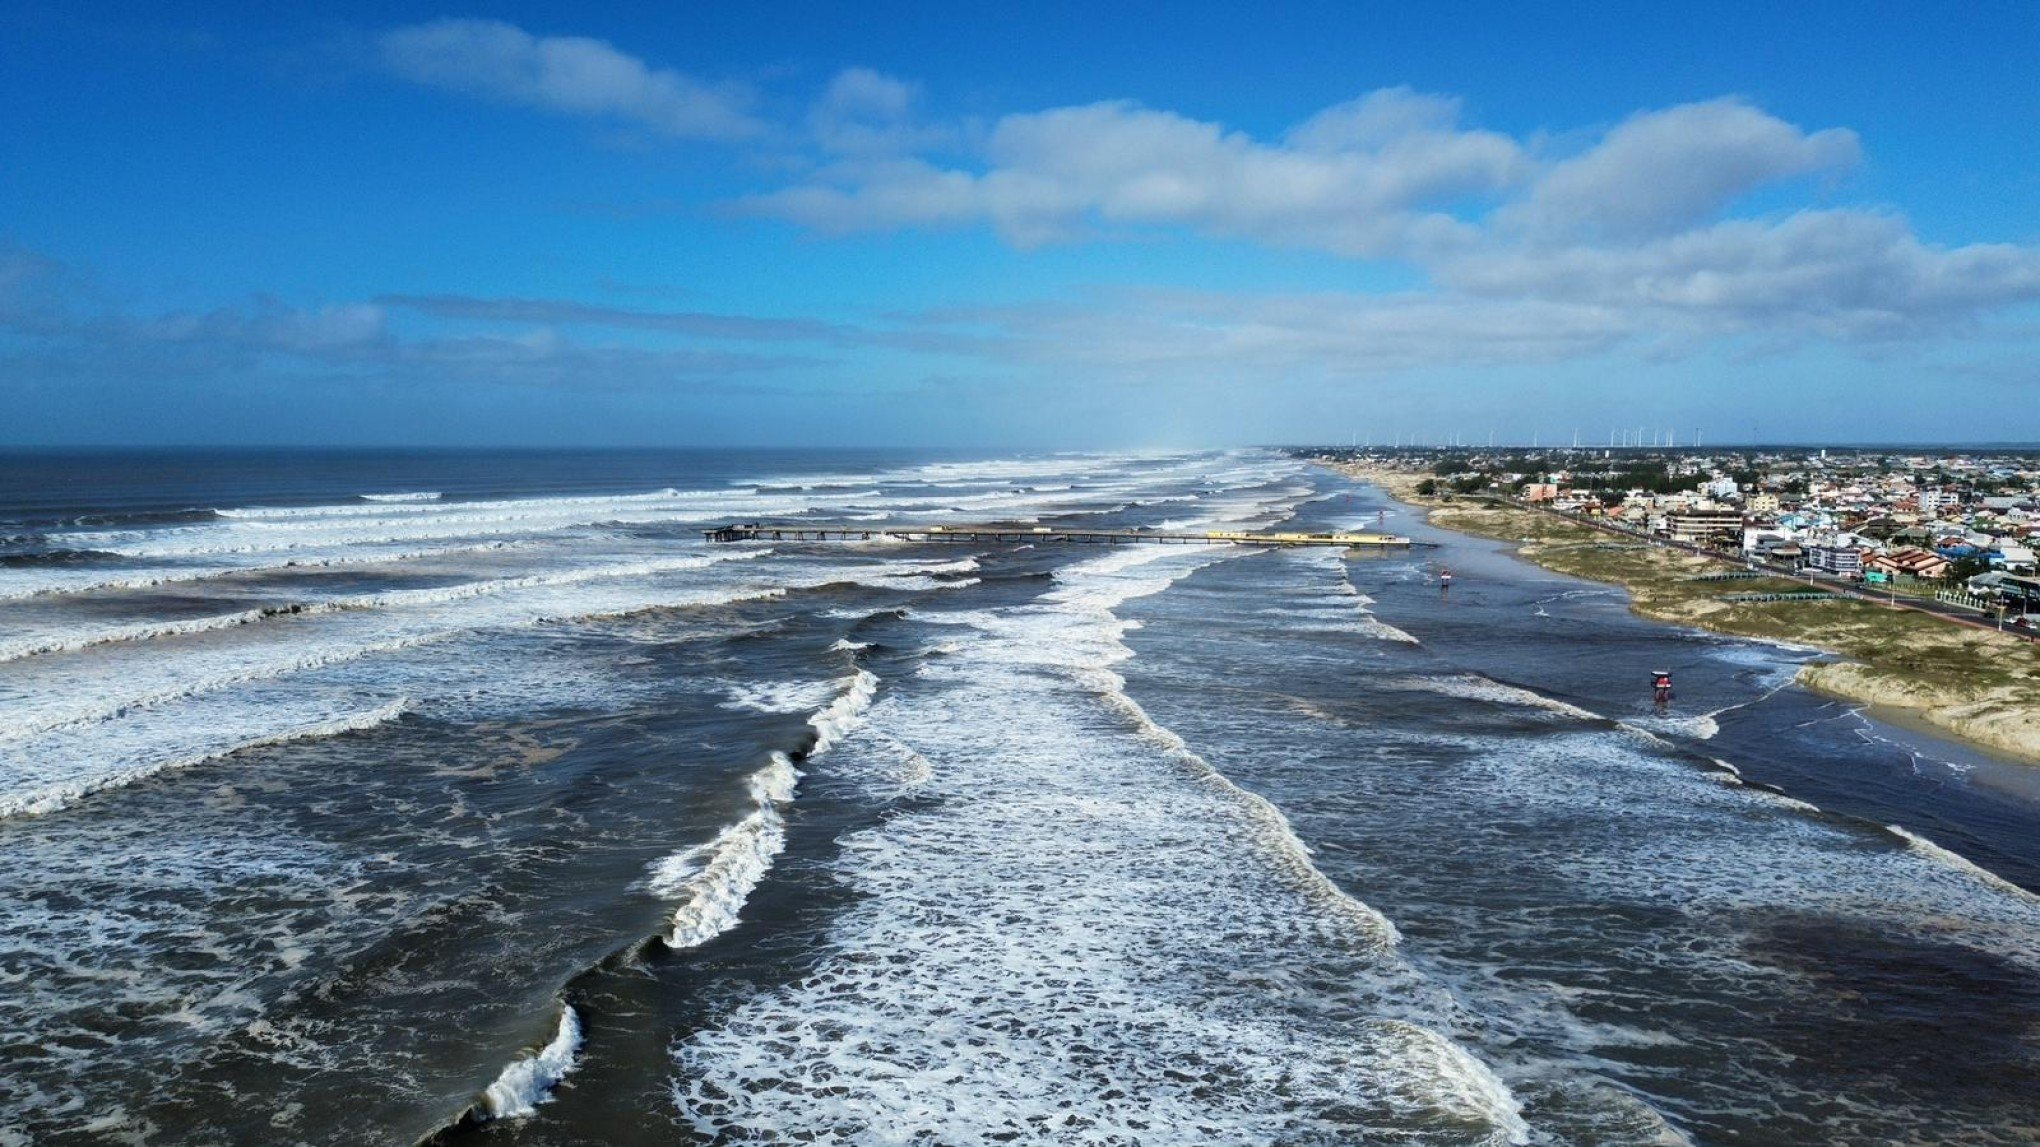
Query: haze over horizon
point(1067, 226)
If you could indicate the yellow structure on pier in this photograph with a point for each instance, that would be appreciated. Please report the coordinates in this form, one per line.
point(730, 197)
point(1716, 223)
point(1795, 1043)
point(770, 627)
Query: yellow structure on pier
point(1308, 539)
point(819, 532)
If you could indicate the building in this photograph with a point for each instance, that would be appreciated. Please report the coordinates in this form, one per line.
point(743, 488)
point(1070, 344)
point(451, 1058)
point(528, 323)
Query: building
point(2019, 594)
point(1540, 492)
point(1784, 553)
point(1938, 501)
point(1925, 565)
point(1763, 503)
point(2015, 557)
point(1702, 527)
point(1846, 561)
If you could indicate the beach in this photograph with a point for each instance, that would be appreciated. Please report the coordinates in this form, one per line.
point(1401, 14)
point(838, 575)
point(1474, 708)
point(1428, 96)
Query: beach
point(1981, 687)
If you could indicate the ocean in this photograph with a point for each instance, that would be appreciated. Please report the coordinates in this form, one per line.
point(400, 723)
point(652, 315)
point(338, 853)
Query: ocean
point(473, 797)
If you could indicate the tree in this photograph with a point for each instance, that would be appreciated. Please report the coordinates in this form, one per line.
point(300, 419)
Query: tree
point(1962, 569)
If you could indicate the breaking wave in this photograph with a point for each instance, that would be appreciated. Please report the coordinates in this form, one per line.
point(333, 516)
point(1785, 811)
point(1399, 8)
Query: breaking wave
point(714, 880)
point(845, 713)
point(529, 1079)
point(51, 797)
point(1955, 860)
point(1082, 937)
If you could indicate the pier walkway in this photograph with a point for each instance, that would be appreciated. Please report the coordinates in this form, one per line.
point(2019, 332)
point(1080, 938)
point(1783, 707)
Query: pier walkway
point(819, 532)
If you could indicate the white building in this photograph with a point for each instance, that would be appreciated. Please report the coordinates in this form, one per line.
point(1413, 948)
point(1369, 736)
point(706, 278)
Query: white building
point(1846, 561)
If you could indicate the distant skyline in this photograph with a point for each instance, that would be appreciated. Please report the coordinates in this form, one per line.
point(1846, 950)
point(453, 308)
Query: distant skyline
point(1061, 226)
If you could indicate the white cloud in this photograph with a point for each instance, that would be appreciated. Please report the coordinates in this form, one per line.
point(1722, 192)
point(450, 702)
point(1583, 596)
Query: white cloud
point(1637, 232)
point(1645, 233)
point(863, 112)
point(1392, 173)
point(1833, 274)
point(573, 74)
point(1374, 120)
point(1061, 173)
point(1164, 337)
point(1660, 171)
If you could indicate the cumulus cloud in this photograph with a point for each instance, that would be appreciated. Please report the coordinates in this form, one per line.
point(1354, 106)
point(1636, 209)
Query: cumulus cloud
point(863, 112)
point(1835, 274)
point(1647, 228)
point(1393, 173)
point(571, 74)
point(1061, 173)
point(1640, 224)
point(1375, 120)
point(1660, 171)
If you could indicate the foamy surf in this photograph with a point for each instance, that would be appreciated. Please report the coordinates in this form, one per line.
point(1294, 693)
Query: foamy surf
point(712, 881)
point(529, 1079)
point(51, 797)
point(1027, 911)
point(362, 627)
point(1950, 859)
point(845, 713)
point(1087, 936)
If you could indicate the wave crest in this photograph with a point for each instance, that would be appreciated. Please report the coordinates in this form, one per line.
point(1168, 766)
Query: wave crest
point(529, 1080)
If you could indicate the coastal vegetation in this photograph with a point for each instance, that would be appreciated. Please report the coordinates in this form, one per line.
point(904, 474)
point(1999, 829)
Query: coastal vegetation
point(1980, 686)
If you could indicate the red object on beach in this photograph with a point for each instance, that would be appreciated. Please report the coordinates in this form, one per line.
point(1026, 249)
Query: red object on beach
point(1661, 685)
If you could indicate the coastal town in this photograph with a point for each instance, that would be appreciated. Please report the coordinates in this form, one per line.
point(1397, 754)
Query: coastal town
point(1957, 529)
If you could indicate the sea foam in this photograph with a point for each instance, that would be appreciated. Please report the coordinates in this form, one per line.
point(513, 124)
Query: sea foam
point(1087, 936)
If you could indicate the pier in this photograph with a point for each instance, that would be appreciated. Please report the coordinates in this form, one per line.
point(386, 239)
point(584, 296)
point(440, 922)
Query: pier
point(818, 532)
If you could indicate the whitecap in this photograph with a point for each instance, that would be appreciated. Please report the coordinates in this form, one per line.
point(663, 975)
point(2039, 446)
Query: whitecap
point(529, 1080)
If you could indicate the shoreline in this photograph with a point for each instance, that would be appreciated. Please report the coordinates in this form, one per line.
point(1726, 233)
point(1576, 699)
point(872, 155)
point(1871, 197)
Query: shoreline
point(1969, 684)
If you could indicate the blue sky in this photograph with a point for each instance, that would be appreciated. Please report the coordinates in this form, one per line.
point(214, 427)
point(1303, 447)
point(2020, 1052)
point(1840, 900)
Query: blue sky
point(1020, 225)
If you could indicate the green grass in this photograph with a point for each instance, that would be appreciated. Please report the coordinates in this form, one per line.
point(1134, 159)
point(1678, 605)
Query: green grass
point(1921, 652)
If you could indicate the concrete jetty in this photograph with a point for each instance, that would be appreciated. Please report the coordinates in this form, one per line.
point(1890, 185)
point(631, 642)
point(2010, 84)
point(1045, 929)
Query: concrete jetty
point(819, 532)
